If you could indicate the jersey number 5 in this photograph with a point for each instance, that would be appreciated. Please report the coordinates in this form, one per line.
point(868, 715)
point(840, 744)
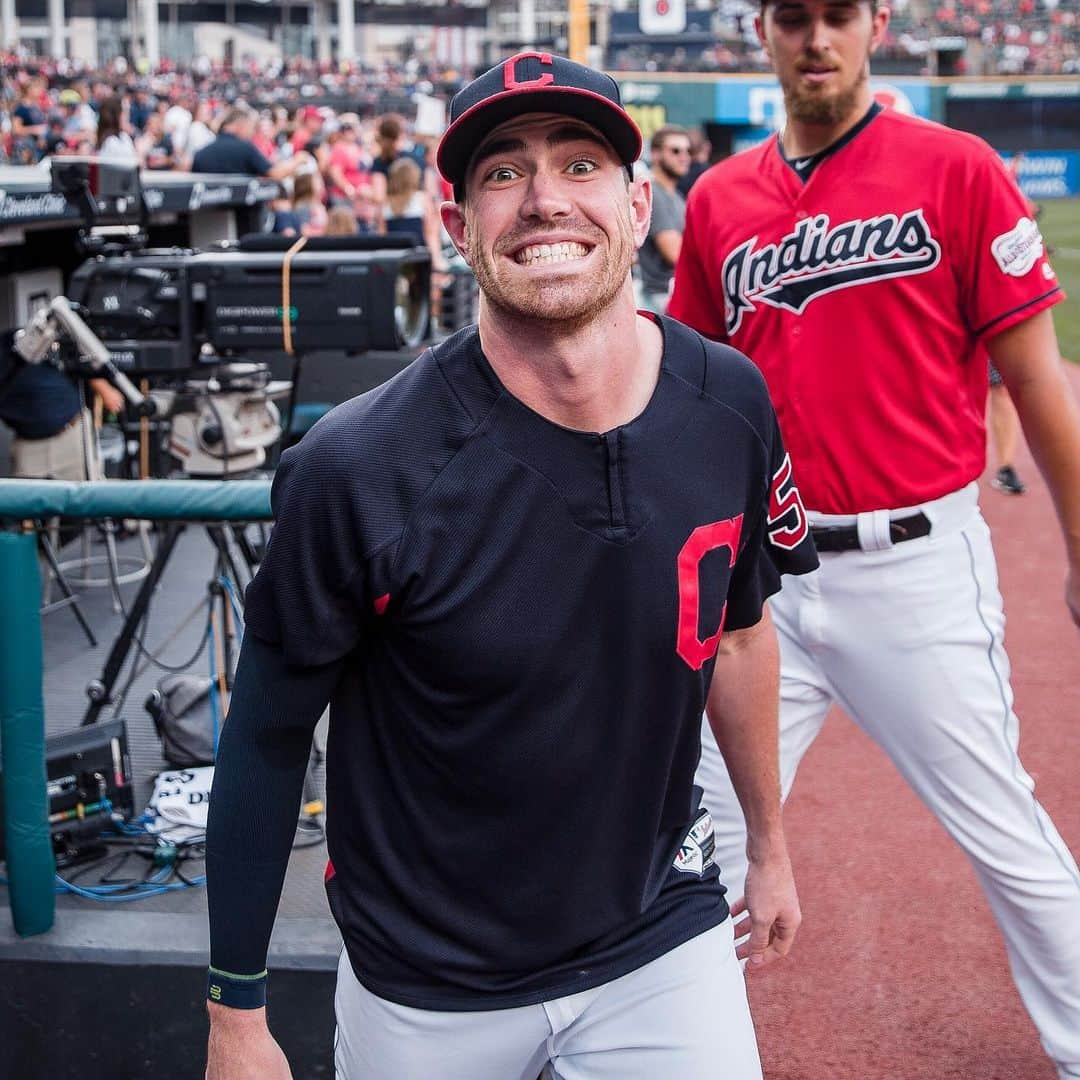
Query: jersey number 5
point(786, 503)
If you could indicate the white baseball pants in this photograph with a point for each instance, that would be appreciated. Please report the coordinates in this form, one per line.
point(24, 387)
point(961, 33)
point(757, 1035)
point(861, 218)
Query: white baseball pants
point(909, 641)
point(682, 1015)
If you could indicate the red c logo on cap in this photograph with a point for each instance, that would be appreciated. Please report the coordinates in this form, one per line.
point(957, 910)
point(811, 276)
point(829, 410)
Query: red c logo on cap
point(510, 77)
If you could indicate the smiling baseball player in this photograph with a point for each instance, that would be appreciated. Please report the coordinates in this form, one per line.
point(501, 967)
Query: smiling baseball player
point(865, 260)
point(518, 571)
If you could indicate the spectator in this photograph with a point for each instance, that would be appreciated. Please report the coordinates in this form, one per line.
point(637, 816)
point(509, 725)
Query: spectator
point(669, 153)
point(349, 176)
point(341, 221)
point(307, 204)
point(234, 152)
point(140, 108)
point(80, 121)
point(154, 146)
point(405, 210)
point(112, 140)
point(28, 124)
point(309, 125)
point(264, 137)
point(177, 124)
point(55, 140)
point(199, 133)
point(392, 144)
point(409, 210)
point(285, 222)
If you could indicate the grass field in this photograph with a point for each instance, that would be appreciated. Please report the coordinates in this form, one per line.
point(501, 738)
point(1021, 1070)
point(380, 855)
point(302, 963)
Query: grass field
point(1060, 224)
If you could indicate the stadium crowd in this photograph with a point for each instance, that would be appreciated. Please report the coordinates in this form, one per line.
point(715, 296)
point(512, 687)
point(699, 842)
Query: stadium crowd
point(355, 162)
point(345, 135)
point(998, 37)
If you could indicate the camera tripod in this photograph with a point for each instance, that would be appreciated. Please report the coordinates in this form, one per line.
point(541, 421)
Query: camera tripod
point(230, 542)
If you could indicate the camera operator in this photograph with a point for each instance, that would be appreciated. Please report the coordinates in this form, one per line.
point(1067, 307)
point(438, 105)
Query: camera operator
point(42, 406)
point(234, 152)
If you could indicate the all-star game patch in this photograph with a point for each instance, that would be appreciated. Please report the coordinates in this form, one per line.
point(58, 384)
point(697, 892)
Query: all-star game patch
point(696, 853)
point(1019, 249)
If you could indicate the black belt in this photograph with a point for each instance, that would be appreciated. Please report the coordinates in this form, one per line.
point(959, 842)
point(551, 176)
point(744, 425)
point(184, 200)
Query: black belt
point(846, 537)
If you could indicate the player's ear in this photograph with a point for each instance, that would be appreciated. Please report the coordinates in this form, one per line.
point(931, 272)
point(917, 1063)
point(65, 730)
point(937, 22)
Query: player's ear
point(453, 219)
point(759, 29)
point(880, 14)
point(640, 208)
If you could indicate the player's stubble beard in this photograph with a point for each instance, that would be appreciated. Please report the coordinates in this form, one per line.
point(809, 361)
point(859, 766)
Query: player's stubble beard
point(670, 173)
point(806, 106)
point(571, 301)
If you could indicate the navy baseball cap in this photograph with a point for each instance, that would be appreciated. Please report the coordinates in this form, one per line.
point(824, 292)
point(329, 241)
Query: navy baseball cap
point(534, 82)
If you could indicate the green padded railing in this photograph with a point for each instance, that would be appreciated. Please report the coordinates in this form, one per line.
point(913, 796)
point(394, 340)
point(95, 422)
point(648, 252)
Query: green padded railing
point(148, 500)
point(28, 847)
point(22, 738)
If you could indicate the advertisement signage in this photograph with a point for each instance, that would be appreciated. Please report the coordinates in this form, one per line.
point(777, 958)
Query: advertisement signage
point(1048, 174)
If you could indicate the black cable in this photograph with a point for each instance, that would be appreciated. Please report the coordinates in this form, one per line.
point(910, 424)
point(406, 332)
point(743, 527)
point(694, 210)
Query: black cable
point(108, 879)
point(136, 670)
point(186, 880)
point(173, 669)
point(309, 825)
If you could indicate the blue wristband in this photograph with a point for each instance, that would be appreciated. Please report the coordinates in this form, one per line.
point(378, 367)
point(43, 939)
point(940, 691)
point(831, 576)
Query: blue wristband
point(236, 991)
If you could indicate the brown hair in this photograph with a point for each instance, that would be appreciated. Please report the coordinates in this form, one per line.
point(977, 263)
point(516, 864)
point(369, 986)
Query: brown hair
point(403, 177)
point(303, 187)
point(109, 115)
point(341, 221)
point(661, 136)
point(390, 127)
point(236, 113)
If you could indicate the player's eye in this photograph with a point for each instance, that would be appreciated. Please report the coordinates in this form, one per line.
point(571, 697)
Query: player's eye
point(501, 174)
point(581, 167)
point(790, 18)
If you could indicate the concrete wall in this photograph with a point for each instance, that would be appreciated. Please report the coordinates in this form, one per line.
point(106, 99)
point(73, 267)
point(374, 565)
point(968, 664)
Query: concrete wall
point(210, 39)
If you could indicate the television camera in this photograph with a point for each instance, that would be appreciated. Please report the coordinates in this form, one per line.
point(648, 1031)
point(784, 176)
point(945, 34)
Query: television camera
point(161, 312)
point(198, 326)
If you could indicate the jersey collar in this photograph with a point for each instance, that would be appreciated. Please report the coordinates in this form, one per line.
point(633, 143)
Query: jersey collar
point(804, 167)
point(583, 465)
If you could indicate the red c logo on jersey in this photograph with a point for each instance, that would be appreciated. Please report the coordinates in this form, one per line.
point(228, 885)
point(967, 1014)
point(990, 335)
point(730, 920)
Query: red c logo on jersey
point(784, 498)
point(510, 77)
point(703, 539)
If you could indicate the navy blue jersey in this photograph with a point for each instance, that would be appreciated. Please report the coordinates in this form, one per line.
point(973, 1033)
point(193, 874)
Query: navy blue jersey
point(528, 617)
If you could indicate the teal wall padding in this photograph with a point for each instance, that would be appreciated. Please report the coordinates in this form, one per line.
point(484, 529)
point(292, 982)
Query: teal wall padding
point(30, 866)
point(153, 500)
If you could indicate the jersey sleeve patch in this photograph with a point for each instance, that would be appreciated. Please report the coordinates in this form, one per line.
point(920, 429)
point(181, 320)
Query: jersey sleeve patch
point(1017, 250)
point(697, 852)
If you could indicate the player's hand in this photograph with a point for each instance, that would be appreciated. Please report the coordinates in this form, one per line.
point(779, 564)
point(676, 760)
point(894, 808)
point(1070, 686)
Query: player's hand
point(112, 401)
point(771, 906)
point(241, 1047)
point(1072, 594)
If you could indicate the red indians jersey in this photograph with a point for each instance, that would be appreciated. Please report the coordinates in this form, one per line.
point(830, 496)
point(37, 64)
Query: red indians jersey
point(865, 295)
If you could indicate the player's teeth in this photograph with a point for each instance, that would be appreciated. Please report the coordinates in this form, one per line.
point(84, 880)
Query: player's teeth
point(544, 254)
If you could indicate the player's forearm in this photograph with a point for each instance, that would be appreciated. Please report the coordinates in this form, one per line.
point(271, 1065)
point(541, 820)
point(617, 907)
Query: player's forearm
point(743, 710)
point(1028, 359)
point(669, 244)
point(1051, 422)
point(258, 781)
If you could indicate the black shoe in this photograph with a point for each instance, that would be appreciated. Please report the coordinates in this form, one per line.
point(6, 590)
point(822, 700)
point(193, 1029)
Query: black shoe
point(1006, 480)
